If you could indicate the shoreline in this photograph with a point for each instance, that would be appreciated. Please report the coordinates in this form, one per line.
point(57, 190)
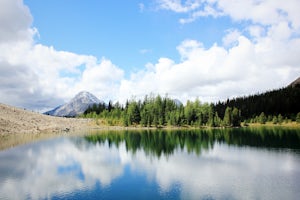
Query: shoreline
point(10, 140)
point(19, 126)
point(20, 121)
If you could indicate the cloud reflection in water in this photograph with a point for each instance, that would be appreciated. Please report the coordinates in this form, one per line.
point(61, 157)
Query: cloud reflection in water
point(64, 166)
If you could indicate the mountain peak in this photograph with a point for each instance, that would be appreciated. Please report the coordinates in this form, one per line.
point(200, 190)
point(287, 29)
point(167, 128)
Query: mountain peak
point(76, 105)
point(86, 97)
point(83, 93)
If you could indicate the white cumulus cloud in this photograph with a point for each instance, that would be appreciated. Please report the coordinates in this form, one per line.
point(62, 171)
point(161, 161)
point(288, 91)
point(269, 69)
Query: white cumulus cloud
point(216, 73)
point(262, 12)
point(262, 56)
point(36, 76)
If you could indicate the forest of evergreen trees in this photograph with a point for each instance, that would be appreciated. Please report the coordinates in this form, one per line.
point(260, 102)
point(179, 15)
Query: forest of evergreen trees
point(281, 104)
point(160, 111)
point(275, 106)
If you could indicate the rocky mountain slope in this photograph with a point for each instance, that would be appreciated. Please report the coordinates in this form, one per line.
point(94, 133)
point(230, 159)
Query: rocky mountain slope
point(76, 106)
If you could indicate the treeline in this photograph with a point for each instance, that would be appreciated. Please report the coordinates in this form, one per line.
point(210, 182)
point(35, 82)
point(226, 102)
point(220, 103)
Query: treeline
point(277, 107)
point(163, 111)
point(281, 104)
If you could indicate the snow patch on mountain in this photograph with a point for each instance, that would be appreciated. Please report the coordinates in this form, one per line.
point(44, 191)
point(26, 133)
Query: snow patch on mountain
point(76, 106)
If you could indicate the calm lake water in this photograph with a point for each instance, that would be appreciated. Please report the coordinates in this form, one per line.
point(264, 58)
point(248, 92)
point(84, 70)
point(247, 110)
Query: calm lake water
point(199, 164)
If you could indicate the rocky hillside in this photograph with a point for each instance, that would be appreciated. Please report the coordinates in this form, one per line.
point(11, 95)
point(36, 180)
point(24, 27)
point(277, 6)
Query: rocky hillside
point(16, 120)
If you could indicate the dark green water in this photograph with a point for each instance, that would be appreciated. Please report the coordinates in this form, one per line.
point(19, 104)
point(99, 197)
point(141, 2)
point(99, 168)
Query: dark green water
point(198, 164)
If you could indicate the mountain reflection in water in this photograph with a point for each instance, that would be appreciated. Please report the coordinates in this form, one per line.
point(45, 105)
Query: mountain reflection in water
point(183, 164)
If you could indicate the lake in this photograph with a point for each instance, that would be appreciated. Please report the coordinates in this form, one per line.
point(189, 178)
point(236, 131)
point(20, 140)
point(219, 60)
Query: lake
point(240, 163)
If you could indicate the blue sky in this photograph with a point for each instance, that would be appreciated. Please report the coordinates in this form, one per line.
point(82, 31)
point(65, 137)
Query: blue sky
point(131, 33)
point(118, 50)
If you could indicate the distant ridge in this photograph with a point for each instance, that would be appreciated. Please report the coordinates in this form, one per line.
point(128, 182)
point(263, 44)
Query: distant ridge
point(177, 102)
point(76, 106)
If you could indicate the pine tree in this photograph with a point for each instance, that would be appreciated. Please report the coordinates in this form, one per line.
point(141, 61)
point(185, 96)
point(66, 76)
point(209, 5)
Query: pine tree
point(227, 121)
point(125, 118)
point(217, 120)
point(280, 119)
point(275, 120)
point(262, 118)
point(133, 113)
point(298, 117)
point(236, 117)
point(211, 120)
point(110, 106)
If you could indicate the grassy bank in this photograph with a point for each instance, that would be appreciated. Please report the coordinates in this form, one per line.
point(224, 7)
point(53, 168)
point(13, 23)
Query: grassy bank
point(100, 123)
point(270, 124)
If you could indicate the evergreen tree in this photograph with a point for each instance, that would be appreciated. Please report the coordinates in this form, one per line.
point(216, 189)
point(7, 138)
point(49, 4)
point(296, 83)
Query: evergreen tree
point(144, 117)
point(211, 120)
point(275, 120)
point(236, 117)
point(280, 119)
point(110, 106)
point(125, 118)
point(227, 121)
point(133, 113)
point(217, 120)
point(189, 112)
point(262, 118)
point(270, 118)
point(298, 117)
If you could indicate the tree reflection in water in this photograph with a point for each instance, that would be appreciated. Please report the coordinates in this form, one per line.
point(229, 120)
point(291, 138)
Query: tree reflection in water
point(156, 164)
point(158, 142)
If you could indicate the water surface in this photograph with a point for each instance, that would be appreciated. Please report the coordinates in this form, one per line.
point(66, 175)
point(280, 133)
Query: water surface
point(198, 164)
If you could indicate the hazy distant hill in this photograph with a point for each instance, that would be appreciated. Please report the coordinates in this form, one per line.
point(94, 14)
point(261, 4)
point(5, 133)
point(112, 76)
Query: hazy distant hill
point(76, 106)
